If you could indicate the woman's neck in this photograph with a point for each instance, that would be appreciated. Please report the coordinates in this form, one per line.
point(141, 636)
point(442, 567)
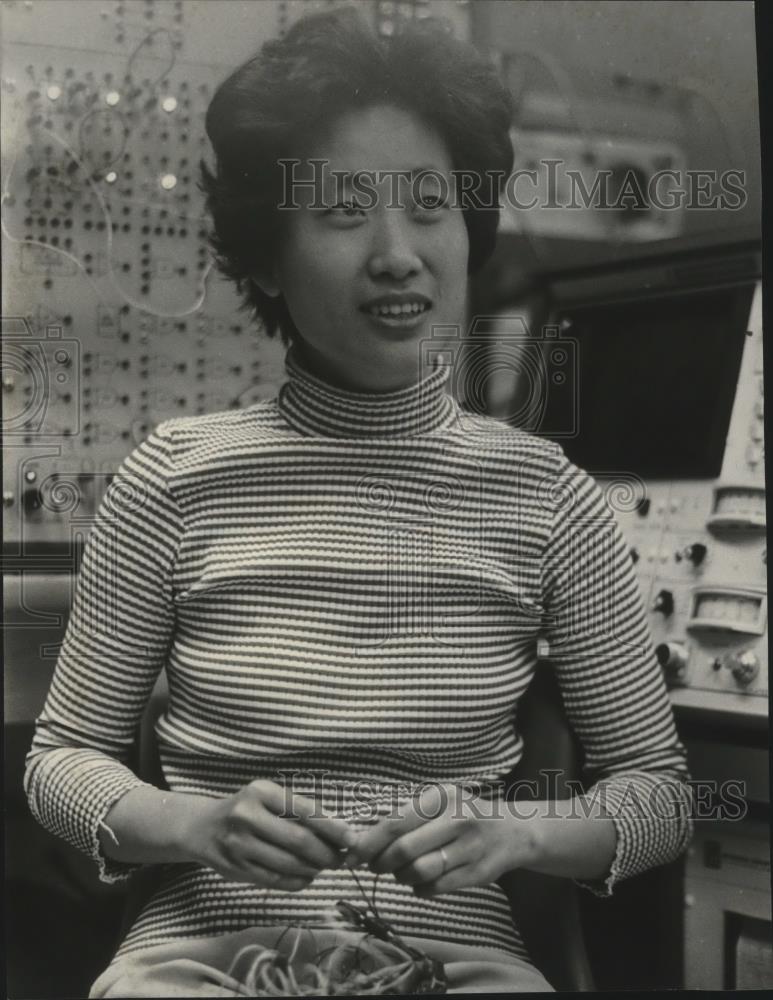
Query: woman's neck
point(375, 382)
point(313, 404)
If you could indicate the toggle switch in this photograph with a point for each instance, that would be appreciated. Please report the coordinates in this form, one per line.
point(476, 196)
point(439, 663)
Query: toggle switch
point(664, 603)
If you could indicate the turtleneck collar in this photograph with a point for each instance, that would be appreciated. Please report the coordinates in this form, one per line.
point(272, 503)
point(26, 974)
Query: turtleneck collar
point(313, 406)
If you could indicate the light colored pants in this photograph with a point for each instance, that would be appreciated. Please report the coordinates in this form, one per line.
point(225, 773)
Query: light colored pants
point(214, 967)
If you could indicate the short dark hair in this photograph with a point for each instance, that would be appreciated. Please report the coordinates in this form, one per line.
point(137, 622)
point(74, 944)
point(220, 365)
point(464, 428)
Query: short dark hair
point(327, 64)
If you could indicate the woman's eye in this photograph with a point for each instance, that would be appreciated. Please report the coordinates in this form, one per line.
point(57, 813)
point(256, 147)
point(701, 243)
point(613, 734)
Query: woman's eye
point(347, 209)
point(430, 203)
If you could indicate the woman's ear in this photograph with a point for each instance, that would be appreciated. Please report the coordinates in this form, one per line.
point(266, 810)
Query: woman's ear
point(267, 283)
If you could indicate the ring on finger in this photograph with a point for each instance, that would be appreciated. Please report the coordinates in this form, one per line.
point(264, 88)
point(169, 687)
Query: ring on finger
point(444, 859)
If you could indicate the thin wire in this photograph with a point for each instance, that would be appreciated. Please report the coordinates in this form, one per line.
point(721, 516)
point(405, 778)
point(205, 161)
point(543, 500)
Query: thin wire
point(109, 114)
point(144, 41)
point(143, 307)
point(271, 973)
point(368, 902)
point(136, 304)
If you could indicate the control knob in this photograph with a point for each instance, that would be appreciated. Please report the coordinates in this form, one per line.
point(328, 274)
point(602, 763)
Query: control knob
point(672, 656)
point(744, 666)
point(694, 553)
point(664, 603)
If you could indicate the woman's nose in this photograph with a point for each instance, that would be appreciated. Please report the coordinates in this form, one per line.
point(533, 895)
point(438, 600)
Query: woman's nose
point(393, 253)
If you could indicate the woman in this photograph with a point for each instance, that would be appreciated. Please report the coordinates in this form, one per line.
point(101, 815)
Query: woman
point(346, 584)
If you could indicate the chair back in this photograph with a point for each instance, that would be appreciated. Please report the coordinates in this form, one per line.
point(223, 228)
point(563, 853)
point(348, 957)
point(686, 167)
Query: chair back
point(546, 908)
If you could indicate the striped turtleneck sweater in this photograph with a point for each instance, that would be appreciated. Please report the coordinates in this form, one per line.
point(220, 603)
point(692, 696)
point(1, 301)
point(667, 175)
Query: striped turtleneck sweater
point(347, 591)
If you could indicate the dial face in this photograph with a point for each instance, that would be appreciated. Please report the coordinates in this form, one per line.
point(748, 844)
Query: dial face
point(740, 501)
point(733, 610)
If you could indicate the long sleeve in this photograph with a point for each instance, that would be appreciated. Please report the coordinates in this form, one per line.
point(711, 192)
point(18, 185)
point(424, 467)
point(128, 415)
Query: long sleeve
point(115, 645)
point(612, 686)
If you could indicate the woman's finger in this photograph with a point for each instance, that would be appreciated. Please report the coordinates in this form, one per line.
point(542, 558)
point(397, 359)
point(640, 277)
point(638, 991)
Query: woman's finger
point(298, 839)
point(284, 803)
point(335, 831)
point(463, 877)
point(414, 844)
point(275, 859)
point(432, 865)
point(412, 814)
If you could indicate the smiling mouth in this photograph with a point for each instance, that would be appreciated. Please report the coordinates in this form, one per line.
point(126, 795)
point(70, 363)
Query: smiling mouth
point(395, 311)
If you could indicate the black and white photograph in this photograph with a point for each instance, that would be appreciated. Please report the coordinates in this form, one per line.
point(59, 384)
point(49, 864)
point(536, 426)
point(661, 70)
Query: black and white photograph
point(384, 506)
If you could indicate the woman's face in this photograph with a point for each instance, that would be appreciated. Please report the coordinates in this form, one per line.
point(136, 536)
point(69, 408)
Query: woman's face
point(365, 282)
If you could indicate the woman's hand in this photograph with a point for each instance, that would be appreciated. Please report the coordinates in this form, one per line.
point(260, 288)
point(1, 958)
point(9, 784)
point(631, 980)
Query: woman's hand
point(268, 836)
point(480, 840)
